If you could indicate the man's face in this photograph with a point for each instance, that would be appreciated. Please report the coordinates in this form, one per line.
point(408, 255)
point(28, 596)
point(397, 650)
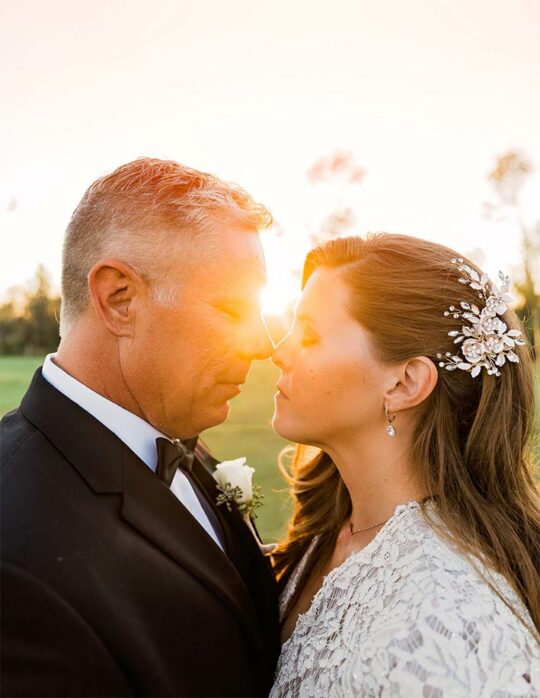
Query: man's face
point(186, 362)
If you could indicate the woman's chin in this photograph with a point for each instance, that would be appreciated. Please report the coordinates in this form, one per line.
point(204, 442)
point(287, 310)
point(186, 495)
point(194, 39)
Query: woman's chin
point(284, 428)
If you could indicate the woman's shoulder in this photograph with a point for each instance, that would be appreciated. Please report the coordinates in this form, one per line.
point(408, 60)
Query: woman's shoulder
point(446, 577)
point(452, 614)
point(413, 576)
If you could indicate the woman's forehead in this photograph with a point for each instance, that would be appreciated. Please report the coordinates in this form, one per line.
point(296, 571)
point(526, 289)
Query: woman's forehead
point(325, 295)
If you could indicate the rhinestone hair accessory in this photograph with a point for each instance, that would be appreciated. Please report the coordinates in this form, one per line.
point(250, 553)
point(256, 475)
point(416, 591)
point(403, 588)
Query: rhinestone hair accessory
point(486, 342)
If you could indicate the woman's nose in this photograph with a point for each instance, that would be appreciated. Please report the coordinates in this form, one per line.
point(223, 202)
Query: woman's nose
point(279, 355)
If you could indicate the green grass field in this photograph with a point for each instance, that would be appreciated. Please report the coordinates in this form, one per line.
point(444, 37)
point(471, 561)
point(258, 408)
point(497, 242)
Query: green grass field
point(15, 374)
point(247, 432)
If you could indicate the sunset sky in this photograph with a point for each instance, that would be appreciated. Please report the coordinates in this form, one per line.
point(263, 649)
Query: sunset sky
point(425, 93)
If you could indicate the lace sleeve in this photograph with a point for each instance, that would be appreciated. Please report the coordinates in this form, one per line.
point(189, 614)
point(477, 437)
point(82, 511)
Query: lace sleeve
point(464, 658)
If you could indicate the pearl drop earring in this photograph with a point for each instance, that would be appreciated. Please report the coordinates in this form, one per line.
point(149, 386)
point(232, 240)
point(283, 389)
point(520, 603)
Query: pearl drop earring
point(390, 430)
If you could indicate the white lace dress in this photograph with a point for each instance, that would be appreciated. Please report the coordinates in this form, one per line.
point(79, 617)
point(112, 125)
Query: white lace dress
point(408, 616)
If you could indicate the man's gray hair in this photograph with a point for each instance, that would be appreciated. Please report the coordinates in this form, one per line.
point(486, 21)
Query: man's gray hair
point(147, 214)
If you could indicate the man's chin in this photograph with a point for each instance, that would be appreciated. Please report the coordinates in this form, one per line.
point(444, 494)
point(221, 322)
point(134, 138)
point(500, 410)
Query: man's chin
point(214, 416)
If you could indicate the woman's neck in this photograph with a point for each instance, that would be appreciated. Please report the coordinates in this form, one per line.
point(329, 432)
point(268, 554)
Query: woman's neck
point(377, 474)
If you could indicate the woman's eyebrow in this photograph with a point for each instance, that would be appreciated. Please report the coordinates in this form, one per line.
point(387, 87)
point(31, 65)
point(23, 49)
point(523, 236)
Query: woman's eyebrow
point(305, 319)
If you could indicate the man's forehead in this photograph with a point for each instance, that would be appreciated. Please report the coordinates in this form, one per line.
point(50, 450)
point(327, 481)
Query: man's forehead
point(247, 272)
point(238, 244)
point(231, 258)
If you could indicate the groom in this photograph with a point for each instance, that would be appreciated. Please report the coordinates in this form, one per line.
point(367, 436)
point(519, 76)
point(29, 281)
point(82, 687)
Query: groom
point(121, 576)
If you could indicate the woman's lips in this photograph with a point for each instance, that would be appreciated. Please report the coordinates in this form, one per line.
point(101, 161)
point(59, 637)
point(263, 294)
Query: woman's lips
point(280, 392)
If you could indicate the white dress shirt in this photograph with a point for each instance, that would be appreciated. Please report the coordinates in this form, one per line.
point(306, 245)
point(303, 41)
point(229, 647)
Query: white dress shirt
point(138, 435)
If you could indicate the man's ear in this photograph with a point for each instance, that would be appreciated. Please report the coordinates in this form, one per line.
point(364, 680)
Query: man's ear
point(114, 287)
point(415, 381)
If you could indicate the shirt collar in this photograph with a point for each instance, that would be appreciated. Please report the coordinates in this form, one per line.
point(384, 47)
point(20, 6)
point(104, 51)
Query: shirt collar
point(136, 433)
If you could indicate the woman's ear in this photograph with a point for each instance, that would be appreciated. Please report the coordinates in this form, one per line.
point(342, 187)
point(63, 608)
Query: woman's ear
point(414, 383)
point(114, 287)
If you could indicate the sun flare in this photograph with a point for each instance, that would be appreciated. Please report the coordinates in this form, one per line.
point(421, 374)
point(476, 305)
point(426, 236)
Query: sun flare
point(278, 297)
point(283, 264)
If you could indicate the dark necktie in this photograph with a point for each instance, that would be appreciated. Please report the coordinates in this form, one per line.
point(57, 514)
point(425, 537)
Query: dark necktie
point(172, 456)
point(178, 454)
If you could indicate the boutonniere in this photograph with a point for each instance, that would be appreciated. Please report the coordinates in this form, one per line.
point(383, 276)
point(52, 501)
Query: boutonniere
point(235, 484)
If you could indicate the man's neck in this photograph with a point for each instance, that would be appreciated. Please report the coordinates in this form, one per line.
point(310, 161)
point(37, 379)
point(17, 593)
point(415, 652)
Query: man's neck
point(84, 359)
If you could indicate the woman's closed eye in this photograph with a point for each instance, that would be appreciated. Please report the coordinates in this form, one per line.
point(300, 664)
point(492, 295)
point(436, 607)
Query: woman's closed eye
point(308, 337)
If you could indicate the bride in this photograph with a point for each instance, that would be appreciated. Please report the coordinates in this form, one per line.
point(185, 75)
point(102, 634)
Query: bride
point(412, 561)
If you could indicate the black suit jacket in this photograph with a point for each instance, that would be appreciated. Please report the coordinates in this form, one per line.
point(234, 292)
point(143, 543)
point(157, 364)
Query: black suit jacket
point(110, 587)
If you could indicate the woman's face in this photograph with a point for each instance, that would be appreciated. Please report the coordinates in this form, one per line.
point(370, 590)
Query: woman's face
point(331, 386)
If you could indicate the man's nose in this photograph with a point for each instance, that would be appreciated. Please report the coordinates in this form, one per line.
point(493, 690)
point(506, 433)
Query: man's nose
point(260, 345)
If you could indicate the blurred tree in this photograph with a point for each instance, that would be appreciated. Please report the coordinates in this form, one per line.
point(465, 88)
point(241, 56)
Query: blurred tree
point(42, 313)
point(340, 171)
point(507, 179)
point(12, 329)
point(31, 327)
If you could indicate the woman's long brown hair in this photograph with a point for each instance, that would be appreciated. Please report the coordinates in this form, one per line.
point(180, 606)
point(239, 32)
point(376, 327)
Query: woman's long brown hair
point(472, 447)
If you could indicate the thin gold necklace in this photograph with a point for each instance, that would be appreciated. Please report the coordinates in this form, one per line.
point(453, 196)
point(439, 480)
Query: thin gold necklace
point(361, 530)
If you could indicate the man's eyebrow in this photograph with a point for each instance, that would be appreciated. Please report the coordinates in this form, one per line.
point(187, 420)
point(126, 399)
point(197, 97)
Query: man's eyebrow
point(237, 302)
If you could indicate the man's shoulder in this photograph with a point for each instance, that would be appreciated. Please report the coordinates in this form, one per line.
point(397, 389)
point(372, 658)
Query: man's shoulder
point(32, 470)
point(15, 432)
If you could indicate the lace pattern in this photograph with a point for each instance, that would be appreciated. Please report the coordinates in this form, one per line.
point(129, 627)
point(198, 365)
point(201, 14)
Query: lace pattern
point(408, 616)
point(297, 576)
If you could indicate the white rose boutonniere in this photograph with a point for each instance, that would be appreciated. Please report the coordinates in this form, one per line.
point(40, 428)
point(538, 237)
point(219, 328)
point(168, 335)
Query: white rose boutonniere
point(235, 484)
point(234, 480)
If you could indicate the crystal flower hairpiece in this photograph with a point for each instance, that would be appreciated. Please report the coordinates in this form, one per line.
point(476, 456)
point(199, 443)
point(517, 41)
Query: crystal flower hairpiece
point(486, 342)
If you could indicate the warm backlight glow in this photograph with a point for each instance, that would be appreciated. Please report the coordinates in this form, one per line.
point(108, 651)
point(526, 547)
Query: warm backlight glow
point(284, 258)
point(277, 297)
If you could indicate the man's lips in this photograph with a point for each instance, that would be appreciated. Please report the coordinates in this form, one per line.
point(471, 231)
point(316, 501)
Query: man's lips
point(235, 385)
point(231, 389)
point(238, 382)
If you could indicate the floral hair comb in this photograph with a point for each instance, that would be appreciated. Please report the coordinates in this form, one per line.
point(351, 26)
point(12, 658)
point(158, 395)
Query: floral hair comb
point(486, 342)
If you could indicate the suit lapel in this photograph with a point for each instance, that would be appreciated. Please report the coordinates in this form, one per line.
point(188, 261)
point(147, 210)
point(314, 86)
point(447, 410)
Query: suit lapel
point(108, 466)
point(241, 546)
point(255, 570)
point(149, 506)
